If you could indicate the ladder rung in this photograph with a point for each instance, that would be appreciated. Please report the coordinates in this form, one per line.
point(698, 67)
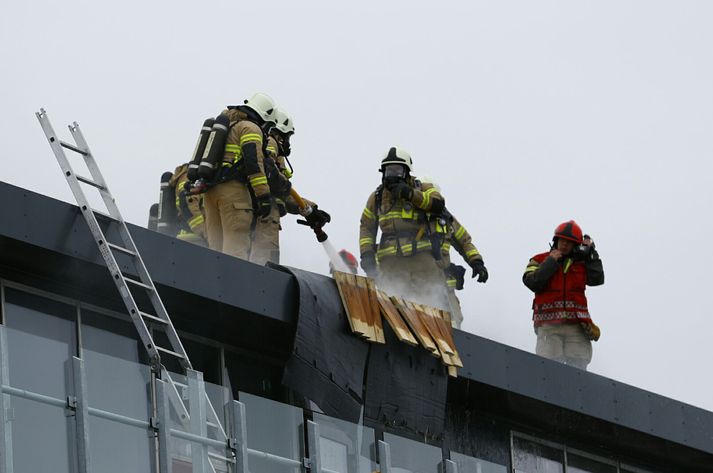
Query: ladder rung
point(89, 182)
point(170, 352)
point(120, 249)
point(153, 318)
point(64, 144)
point(138, 283)
point(212, 424)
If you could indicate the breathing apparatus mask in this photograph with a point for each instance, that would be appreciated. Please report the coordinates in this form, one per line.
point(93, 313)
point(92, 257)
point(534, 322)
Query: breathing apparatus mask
point(393, 174)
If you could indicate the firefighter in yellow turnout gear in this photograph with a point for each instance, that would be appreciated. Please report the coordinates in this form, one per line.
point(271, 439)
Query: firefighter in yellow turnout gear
point(278, 175)
point(239, 208)
point(406, 261)
point(189, 208)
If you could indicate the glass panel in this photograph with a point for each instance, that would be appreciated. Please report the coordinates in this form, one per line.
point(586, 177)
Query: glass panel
point(531, 457)
point(118, 448)
point(182, 449)
point(40, 437)
point(468, 464)
point(412, 456)
point(346, 447)
point(274, 428)
point(579, 464)
point(116, 381)
point(41, 341)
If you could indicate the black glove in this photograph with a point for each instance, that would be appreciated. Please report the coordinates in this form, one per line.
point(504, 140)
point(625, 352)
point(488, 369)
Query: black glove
point(368, 263)
point(479, 270)
point(402, 191)
point(458, 273)
point(264, 205)
point(318, 218)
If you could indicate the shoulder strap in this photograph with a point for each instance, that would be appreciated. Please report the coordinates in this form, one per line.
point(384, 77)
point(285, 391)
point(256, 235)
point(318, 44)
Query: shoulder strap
point(377, 201)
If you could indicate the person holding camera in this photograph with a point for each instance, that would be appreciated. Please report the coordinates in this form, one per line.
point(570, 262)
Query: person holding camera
point(559, 278)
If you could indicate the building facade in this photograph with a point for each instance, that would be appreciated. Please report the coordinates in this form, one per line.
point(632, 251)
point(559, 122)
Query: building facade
point(78, 393)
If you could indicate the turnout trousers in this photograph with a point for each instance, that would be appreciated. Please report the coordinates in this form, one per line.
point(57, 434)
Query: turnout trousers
point(232, 227)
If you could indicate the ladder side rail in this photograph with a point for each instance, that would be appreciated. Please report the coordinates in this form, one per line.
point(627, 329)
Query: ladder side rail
point(98, 234)
point(129, 244)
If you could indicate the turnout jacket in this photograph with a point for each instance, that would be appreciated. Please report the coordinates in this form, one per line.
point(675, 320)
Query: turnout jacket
point(405, 226)
point(244, 148)
point(559, 287)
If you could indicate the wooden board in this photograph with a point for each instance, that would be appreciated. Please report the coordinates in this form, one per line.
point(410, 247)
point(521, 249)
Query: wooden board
point(417, 327)
point(393, 317)
point(426, 315)
point(365, 308)
point(452, 371)
point(351, 301)
point(376, 311)
point(448, 332)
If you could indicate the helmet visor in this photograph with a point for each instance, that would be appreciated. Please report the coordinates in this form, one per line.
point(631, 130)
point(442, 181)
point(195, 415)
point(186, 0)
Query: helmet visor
point(394, 170)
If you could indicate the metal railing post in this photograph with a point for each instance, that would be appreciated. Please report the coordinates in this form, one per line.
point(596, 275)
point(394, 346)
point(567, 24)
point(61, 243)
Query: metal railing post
point(81, 415)
point(164, 428)
point(239, 436)
point(315, 458)
point(5, 409)
point(384, 457)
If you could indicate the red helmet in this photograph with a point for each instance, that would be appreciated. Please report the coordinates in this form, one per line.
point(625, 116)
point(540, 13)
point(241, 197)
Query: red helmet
point(350, 260)
point(569, 231)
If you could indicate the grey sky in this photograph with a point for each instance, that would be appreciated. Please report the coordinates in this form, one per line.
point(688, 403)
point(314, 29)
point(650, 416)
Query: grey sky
point(527, 113)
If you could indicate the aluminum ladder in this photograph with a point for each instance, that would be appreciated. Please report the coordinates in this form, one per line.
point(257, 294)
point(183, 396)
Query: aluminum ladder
point(203, 413)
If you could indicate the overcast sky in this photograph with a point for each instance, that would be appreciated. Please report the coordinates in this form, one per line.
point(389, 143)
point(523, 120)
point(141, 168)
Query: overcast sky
point(527, 113)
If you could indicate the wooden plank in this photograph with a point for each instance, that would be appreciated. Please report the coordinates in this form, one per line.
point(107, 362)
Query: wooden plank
point(376, 311)
point(352, 302)
point(365, 308)
point(413, 321)
point(448, 332)
point(343, 286)
point(452, 371)
point(426, 315)
point(393, 317)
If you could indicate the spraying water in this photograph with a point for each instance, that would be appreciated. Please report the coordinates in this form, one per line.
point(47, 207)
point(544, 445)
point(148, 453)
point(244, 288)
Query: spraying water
point(334, 257)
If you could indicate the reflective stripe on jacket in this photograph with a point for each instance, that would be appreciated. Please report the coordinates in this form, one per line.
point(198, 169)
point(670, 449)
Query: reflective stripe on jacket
point(244, 145)
point(403, 224)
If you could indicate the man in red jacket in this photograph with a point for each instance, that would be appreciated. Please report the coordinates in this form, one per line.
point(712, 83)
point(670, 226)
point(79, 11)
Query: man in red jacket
point(559, 278)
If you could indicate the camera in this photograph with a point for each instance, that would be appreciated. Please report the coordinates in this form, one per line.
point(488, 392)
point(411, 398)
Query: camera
point(583, 252)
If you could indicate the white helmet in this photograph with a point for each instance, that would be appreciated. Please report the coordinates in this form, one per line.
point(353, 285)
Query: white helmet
point(397, 155)
point(263, 105)
point(283, 122)
point(430, 180)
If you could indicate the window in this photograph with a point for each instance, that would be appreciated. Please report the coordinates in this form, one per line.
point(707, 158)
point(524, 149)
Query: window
point(346, 447)
point(532, 457)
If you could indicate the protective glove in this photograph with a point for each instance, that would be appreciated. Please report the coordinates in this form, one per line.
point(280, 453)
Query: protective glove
point(264, 205)
point(591, 330)
point(479, 270)
point(402, 191)
point(318, 218)
point(458, 273)
point(368, 264)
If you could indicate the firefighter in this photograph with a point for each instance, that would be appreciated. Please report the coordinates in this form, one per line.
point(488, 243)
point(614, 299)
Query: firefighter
point(189, 209)
point(559, 278)
point(240, 206)
point(279, 174)
point(407, 260)
point(458, 238)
